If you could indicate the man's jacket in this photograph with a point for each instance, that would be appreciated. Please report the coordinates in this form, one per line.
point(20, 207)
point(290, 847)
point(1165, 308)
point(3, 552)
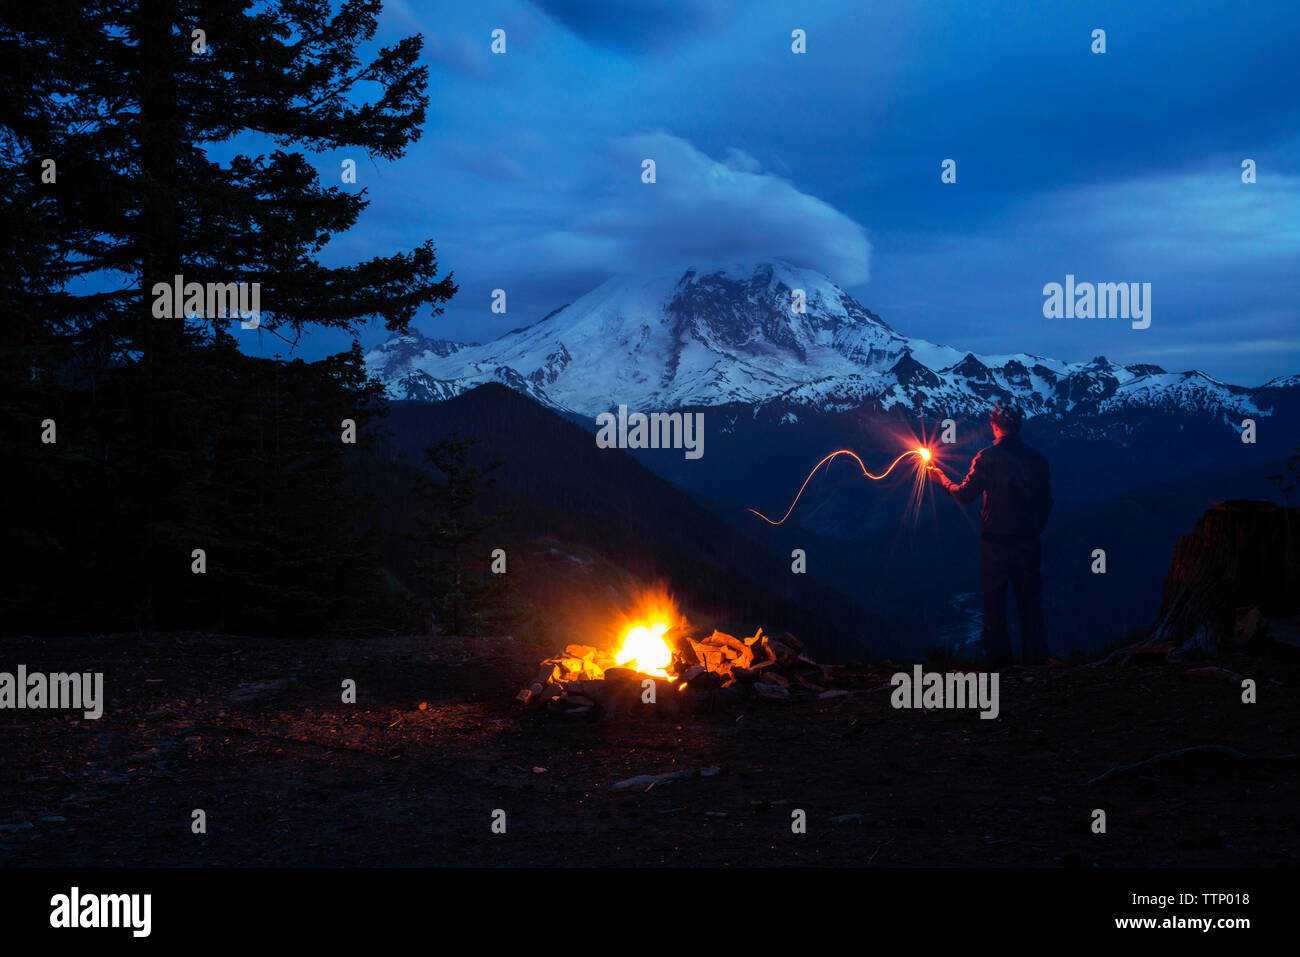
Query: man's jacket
point(1017, 489)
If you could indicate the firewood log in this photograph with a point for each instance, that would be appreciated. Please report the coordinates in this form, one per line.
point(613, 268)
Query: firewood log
point(561, 707)
point(779, 650)
point(803, 682)
point(621, 674)
point(719, 638)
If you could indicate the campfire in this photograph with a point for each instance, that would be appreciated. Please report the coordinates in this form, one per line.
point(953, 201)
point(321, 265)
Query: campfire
point(655, 644)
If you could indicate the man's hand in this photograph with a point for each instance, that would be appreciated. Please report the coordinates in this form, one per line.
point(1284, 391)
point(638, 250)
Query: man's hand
point(936, 475)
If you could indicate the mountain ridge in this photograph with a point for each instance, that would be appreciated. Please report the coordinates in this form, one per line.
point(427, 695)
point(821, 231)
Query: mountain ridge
point(732, 334)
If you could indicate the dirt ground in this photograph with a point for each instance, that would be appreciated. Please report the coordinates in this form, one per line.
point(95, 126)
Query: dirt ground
point(254, 733)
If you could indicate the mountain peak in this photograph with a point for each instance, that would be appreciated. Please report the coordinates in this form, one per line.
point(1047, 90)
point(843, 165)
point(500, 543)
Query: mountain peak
point(407, 350)
point(1282, 382)
point(909, 371)
point(762, 333)
point(971, 368)
point(1145, 368)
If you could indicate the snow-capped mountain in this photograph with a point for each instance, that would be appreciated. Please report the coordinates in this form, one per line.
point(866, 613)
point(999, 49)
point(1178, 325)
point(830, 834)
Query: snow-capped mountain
point(734, 335)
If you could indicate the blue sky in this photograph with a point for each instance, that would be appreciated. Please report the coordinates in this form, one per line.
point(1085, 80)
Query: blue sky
point(1122, 166)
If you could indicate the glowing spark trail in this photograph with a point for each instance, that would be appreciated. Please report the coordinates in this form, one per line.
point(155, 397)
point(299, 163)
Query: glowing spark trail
point(922, 453)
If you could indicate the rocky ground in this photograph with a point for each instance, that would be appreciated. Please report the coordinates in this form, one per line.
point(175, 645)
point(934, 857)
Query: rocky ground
point(253, 732)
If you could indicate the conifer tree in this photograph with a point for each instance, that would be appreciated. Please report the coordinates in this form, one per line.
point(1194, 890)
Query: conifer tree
point(145, 140)
point(453, 561)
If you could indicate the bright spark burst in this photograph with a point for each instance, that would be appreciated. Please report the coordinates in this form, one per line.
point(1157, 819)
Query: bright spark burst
point(917, 495)
point(645, 650)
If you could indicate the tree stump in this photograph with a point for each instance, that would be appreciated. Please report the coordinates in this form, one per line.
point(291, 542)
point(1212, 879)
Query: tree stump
point(1241, 555)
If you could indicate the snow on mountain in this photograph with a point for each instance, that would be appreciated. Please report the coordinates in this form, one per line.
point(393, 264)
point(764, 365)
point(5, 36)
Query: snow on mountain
point(1282, 382)
point(733, 334)
point(409, 349)
point(1181, 391)
point(665, 341)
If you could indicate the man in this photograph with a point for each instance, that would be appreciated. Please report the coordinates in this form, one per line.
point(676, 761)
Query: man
point(1017, 489)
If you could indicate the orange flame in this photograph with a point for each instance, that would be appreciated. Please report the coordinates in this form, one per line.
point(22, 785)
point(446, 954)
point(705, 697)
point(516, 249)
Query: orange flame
point(645, 650)
point(641, 644)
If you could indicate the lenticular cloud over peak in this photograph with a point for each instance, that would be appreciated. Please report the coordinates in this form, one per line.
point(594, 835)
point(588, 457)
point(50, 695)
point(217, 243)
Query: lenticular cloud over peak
point(699, 208)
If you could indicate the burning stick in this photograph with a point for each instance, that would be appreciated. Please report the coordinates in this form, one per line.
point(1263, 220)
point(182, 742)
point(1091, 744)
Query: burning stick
point(922, 453)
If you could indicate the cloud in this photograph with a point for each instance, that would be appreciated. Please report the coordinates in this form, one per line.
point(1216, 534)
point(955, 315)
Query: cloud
point(1116, 167)
point(632, 26)
point(460, 55)
point(738, 159)
point(483, 161)
point(1185, 216)
point(700, 210)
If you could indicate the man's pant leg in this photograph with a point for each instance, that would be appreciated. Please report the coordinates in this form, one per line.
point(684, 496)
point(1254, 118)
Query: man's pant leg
point(994, 577)
point(1027, 582)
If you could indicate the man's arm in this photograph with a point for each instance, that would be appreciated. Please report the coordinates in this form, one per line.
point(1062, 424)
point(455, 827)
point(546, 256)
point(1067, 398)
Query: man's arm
point(971, 486)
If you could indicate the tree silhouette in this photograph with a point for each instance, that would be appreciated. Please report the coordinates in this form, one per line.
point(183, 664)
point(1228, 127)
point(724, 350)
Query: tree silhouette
point(137, 150)
point(1285, 482)
point(453, 561)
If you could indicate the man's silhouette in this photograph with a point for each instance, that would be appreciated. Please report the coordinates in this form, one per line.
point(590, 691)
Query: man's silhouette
point(1017, 489)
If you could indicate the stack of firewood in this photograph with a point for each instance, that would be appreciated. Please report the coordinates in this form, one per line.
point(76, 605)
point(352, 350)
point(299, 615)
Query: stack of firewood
point(585, 678)
point(578, 663)
point(771, 667)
